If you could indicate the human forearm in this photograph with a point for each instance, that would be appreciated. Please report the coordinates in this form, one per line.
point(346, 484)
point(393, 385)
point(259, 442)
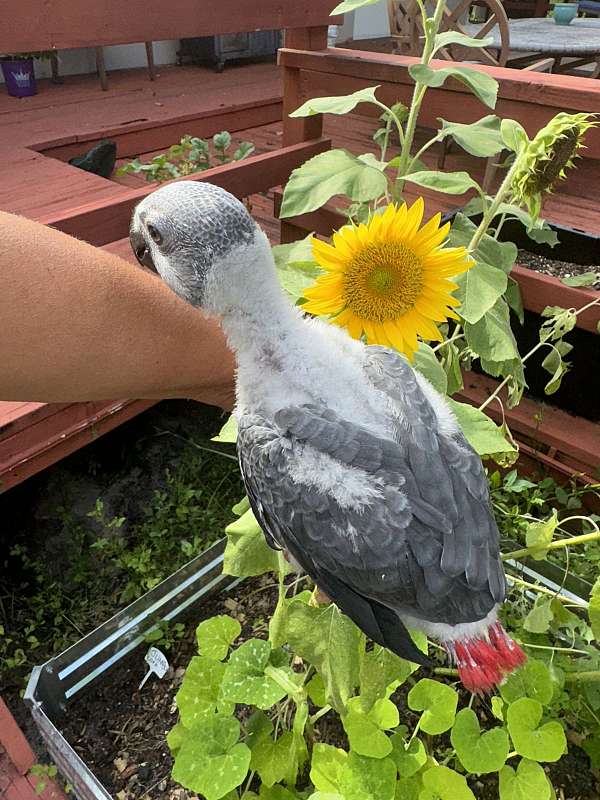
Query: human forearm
point(77, 323)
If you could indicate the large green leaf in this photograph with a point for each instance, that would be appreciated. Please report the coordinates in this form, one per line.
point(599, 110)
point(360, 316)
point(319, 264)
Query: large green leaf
point(216, 634)
point(446, 182)
point(381, 671)
point(539, 619)
point(409, 758)
point(481, 138)
point(352, 5)
point(326, 175)
point(427, 364)
point(532, 680)
point(528, 782)
point(454, 37)
point(200, 692)
point(478, 290)
point(247, 553)
point(539, 535)
point(212, 762)
point(484, 436)
point(443, 783)
point(278, 760)
point(513, 134)
point(368, 778)
point(480, 83)
point(245, 680)
point(228, 433)
point(341, 104)
point(438, 703)
point(594, 609)
point(545, 742)
point(365, 729)
point(326, 767)
point(491, 337)
point(296, 267)
point(330, 642)
point(478, 753)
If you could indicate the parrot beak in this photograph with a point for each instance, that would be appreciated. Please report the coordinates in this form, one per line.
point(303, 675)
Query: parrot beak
point(141, 250)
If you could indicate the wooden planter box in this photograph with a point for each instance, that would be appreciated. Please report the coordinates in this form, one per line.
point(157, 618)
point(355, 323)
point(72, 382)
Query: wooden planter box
point(53, 686)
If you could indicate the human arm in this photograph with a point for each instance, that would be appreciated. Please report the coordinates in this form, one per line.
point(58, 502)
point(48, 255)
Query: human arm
point(77, 323)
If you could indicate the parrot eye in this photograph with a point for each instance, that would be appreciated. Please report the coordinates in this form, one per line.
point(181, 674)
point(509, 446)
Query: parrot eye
point(155, 234)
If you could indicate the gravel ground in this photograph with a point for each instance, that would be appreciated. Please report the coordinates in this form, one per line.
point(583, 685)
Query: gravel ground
point(554, 267)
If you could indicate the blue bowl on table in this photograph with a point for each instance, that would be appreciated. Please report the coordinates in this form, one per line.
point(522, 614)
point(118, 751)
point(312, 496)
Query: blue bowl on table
point(565, 13)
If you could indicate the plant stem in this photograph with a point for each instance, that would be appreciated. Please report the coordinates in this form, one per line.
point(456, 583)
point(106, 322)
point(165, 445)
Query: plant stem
point(418, 94)
point(457, 334)
point(447, 671)
point(525, 551)
point(490, 212)
point(555, 649)
point(542, 590)
point(582, 677)
point(320, 713)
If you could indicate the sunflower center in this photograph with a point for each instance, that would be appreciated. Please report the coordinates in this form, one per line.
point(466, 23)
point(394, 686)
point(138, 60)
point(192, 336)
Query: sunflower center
point(548, 171)
point(383, 281)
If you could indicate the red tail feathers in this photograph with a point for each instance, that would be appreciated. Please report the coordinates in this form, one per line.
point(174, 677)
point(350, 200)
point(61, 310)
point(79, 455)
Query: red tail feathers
point(484, 662)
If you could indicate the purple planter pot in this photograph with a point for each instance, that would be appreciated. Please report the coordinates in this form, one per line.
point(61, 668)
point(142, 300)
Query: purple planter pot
point(19, 77)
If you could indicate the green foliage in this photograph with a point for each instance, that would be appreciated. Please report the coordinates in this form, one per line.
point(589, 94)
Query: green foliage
point(191, 155)
point(327, 174)
point(478, 752)
point(335, 105)
point(437, 702)
point(531, 740)
point(110, 560)
point(482, 85)
point(526, 782)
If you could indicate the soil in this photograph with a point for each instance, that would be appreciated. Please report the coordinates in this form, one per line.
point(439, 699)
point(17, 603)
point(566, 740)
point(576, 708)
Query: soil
point(555, 267)
point(120, 731)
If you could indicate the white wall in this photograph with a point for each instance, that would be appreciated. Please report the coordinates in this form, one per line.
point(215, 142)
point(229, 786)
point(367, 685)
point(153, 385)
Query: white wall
point(121, 56)
point(369, 22)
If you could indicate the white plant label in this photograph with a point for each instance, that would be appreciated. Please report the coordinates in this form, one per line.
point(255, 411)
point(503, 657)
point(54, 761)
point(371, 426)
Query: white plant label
point(157, 663)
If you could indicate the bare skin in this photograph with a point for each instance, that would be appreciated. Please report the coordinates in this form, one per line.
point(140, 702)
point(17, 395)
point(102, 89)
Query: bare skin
point(77, 323)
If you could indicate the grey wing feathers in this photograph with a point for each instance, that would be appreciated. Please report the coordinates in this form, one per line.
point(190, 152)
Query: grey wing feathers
point(428, 546)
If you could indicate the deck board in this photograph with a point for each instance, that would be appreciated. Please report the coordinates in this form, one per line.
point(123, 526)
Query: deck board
point(33, 435)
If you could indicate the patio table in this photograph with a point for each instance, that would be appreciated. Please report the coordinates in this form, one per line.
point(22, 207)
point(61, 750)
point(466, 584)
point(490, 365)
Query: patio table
point(542, 36)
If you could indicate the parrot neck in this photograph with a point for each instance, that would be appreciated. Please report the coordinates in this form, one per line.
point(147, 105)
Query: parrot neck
point(257, 317)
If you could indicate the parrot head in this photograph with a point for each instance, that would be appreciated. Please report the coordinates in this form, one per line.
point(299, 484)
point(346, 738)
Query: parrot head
point(199, 238)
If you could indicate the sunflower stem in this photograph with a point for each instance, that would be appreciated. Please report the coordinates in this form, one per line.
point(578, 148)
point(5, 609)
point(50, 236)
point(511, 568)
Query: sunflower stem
point(558, 545)
point(457, 334)
point(418, 93)
point(492, 210)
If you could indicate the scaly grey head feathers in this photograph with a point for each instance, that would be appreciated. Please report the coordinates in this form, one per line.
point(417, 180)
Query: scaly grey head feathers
point(186, 230)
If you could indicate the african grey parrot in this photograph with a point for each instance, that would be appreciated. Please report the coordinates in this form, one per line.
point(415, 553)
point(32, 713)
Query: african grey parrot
point(353, 463)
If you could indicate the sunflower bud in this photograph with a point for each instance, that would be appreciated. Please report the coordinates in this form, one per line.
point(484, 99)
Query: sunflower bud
point(547, 157)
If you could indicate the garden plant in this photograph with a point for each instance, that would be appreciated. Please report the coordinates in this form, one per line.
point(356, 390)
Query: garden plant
point(315, 711)
point(190, 155)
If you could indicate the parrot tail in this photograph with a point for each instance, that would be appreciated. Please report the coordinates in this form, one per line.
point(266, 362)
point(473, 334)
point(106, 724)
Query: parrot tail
point(484, 662)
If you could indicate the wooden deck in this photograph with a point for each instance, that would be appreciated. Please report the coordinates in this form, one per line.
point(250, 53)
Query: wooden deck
point(38, 135)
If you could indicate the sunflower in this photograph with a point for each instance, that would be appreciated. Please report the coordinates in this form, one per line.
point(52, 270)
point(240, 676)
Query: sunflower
point(546, 157)
point(389, 279)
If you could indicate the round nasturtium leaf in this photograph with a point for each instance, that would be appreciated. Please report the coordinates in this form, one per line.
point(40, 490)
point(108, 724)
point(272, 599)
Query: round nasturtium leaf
point(443, 783)
point(544, 743)
point(367, 778)
point(366, 729)
point(438, 703)
point(527, 782)
point(245, 680)
point(212, 762)
point(216, 634)
point(326, 766)
point(408, 760)
point(478, 753)
point(531, 680)
point(200, 692)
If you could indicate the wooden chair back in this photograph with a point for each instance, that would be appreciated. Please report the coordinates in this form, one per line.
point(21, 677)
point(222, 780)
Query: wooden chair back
point(406, 30)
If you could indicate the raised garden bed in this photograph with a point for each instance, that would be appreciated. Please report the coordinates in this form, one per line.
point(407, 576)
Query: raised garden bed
point(109, 741)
